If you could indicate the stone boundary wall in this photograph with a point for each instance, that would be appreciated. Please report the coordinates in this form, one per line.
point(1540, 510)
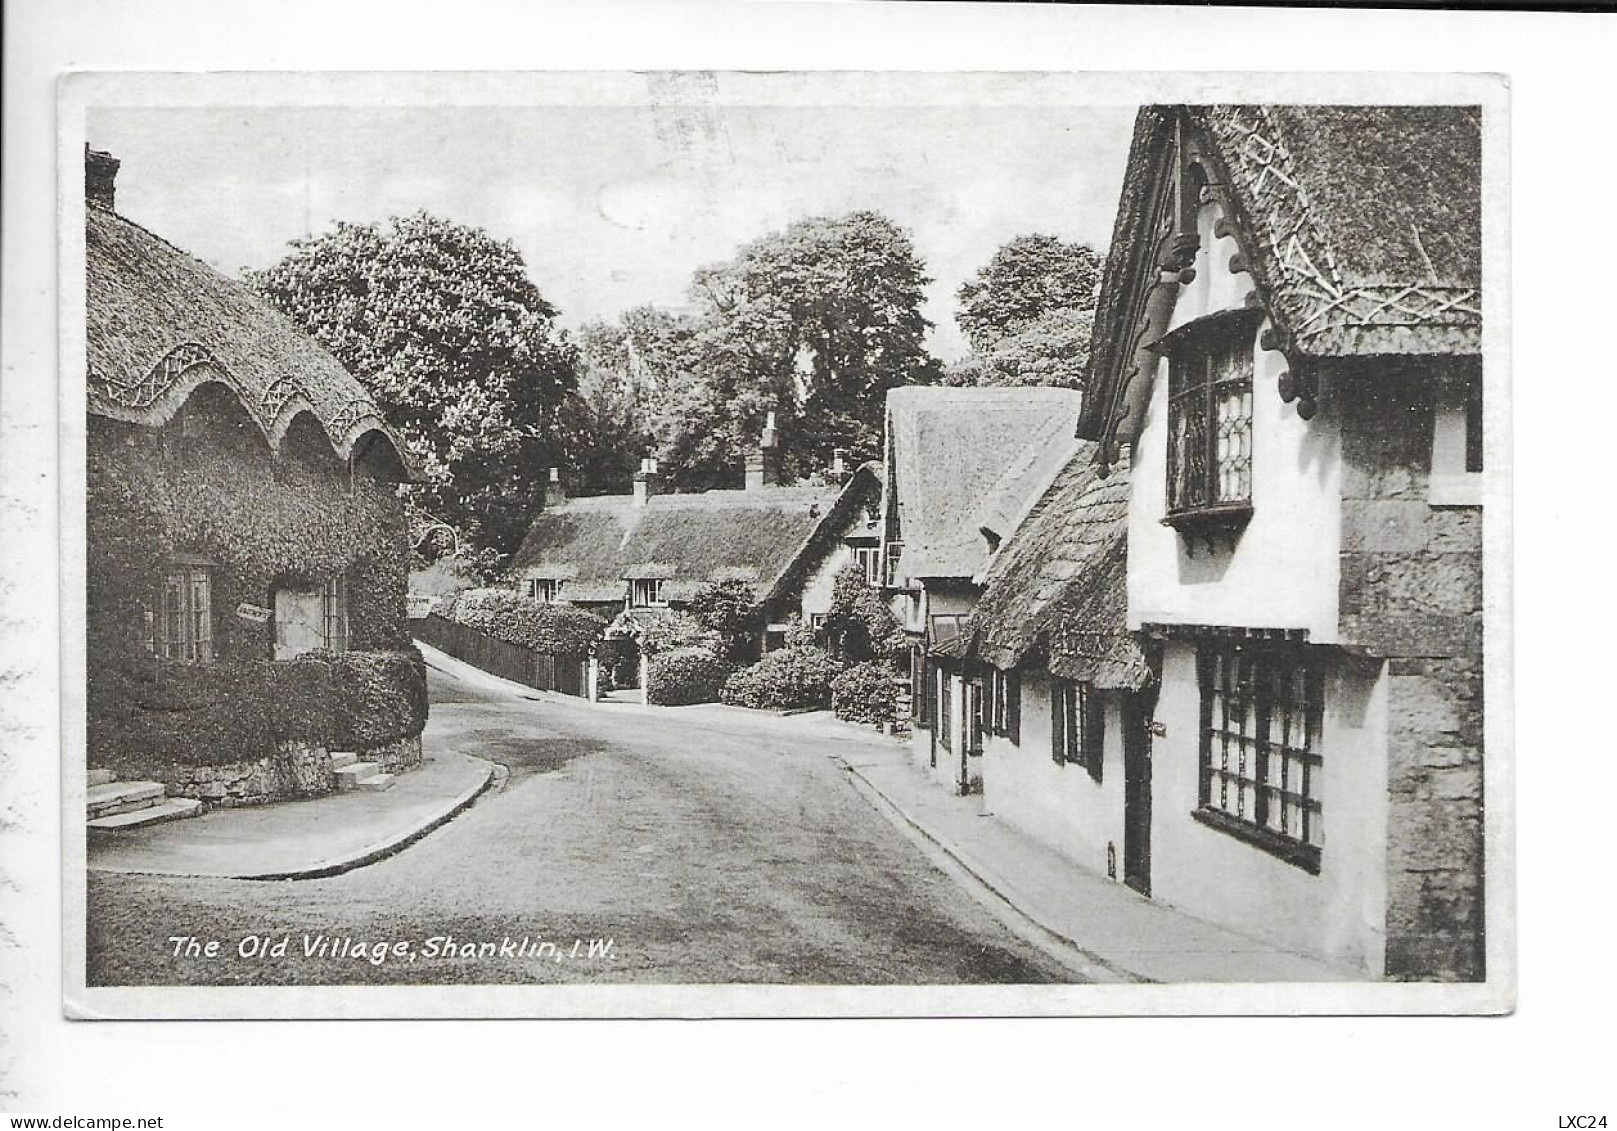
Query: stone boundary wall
point(1411, 592)
point(296, 770)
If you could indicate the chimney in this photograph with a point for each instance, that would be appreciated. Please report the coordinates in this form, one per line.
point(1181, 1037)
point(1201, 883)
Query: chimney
point(100, 177)
point(645, 481)
point(555, 492)
point(839, 466)
point(763, 461)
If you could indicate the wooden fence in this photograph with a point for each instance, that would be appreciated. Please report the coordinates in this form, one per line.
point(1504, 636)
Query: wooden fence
point(540, 670)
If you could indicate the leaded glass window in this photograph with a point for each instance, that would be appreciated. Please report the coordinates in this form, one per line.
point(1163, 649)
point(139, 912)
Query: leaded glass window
point(179, 625)
point(334, 614)
point(1210, 419)
point(1261, 760)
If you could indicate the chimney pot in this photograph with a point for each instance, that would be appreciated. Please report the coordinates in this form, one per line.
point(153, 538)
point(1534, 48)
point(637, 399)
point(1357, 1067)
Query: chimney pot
point(100, 177)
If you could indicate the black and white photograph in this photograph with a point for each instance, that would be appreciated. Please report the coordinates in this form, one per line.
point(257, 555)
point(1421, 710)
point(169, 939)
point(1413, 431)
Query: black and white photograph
point(707, 529)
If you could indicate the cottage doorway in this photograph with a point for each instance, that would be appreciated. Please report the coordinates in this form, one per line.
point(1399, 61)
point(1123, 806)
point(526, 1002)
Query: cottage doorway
point(1137, 796)
point(299, 622)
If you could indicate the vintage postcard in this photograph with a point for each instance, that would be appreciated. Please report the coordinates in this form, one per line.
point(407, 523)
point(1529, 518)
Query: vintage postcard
point(790, 544)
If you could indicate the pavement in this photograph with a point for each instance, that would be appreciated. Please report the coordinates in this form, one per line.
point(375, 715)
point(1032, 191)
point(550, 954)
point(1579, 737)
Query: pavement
point(322, 836)
point(1105, 930)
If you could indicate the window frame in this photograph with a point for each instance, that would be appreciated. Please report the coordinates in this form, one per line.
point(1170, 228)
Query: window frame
point(334, 613)
point(1077, 726)
point(656, 592)
point(945, 707)
point(546, 590)
point(194, 638)
point(868, 559)
point(1207, 360)
point(1255, 687)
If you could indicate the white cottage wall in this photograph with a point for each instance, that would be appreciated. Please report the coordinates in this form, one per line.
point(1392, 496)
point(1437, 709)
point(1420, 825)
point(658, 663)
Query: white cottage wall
point(1058, 805)
point(1283, 570)
point(1338, 915)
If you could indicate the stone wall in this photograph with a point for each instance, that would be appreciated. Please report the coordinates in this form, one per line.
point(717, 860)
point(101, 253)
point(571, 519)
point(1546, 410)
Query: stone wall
point(296, 769)
point(396, 756)
point(1411, 592)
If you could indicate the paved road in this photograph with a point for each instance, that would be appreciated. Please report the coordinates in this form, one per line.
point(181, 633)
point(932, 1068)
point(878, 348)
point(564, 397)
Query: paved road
point(706, 845)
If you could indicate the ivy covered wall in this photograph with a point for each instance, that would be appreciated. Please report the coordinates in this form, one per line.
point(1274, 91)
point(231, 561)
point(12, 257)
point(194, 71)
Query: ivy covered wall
point(205, 486)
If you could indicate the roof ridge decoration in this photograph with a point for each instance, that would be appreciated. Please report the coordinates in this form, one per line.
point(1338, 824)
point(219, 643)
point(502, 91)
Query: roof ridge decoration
point(1324, 301)
point(176, 370)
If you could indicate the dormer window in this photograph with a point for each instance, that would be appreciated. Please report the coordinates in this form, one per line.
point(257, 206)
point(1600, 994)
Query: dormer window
point(1210, 423)
point(546, 590)
point(647, 593)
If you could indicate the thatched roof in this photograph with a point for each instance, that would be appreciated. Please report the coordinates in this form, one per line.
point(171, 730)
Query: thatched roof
point(766, 535)
point(951, 449)
point(160, 322)
point(1057, 592)
point(1361, 226)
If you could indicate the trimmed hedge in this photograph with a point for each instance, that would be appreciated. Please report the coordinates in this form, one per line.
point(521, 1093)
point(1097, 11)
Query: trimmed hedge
point(864, 693)
point(509, 616)
point(685, 675)
point(790, 677)
point(150, 713)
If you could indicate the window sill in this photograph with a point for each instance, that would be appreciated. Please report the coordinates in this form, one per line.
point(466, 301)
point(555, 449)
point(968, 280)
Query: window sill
point(1226, 518)
point(1304, 856)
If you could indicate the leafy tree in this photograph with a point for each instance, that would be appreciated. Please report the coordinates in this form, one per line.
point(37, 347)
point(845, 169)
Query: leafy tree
point(1027, 278)
point(442, 324)
point(626, 366)
point(1053, 350)
point(729, 608)
point(815, 324)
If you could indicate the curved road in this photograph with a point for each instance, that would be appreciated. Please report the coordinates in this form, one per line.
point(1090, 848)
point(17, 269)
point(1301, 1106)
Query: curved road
point(708, 845)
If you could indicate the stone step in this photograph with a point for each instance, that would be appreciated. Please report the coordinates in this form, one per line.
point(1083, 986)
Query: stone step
point(355, 773)
point(376, 782)
point(102, 777)
point(341, 758)
point(122, 796)
point(169, 809)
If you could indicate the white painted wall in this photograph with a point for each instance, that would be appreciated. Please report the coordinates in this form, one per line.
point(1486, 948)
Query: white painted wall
point(1283, 571)
point(1338, 915)
point(817, 587)
point(1059, 805)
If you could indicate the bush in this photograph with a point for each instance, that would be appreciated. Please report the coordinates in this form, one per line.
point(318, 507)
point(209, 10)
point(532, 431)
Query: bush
point(730, 608)
point(685, 675)
point(670, 632)
point(380, 696)
point(864, 693)
point(791, 677)
point(509, 616)
point(859, 624)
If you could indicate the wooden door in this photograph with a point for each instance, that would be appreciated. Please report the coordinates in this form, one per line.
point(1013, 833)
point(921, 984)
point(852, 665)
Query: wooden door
point(1137, 795)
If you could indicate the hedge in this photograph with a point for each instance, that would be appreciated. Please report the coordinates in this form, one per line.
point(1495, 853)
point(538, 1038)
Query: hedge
point(864, 693)
point(685, 675)
point(149, 713)
point(790, 677)
point(509, 616)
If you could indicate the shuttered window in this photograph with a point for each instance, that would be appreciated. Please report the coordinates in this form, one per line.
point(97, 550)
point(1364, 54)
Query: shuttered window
point(1077, 726)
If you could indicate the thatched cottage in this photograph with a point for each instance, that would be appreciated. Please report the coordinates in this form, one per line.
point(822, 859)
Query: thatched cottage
point(1066, 689)
point(245, 544)
point(1287, 360)
point(648, 552)
point(963, 467)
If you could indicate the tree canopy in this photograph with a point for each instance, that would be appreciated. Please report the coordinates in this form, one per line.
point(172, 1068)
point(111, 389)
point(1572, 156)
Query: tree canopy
point(1028, 314)
point(442, 324)
point(1027, 278)
point(814, 323)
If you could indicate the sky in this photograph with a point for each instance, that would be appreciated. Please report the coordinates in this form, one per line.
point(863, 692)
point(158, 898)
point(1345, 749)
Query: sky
point(613, 206)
